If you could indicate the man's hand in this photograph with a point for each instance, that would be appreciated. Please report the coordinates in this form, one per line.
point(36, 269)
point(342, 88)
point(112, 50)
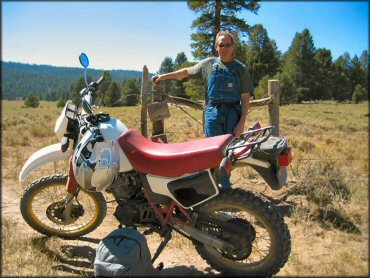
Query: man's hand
point(239, 129)
point(157, 78)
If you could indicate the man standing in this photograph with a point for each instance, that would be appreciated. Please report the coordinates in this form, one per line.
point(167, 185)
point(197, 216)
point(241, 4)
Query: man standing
point(229, 88)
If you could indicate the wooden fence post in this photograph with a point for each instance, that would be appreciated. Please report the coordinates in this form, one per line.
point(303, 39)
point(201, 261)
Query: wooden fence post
point(274, 91)
point(158, 134)
point(144, 102)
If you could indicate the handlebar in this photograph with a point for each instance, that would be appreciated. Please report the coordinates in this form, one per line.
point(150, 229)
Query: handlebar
point(100, 80)
point(86, 95)
point(92, 86)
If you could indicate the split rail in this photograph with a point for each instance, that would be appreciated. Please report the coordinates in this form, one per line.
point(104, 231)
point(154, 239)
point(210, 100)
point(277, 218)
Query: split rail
point(158, 110)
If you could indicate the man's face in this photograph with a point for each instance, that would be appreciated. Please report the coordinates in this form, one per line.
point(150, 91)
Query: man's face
point(225, 48)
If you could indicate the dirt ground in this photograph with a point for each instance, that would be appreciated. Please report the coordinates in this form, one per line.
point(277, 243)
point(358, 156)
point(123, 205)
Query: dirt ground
point(176, 262)
point(312, 248)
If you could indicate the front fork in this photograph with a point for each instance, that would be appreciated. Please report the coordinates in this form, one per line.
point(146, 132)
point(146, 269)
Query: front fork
point(72, 185)
point(72, 188)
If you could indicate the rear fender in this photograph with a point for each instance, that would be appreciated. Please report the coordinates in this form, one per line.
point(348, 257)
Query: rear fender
point(45, 155)
point(270, 176)
point(266, 170)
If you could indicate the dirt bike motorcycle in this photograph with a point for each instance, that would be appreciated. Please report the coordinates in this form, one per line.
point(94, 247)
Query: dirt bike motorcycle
point(162, 187)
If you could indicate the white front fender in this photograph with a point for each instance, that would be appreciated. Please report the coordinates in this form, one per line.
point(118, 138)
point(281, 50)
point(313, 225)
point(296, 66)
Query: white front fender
point(45, 155)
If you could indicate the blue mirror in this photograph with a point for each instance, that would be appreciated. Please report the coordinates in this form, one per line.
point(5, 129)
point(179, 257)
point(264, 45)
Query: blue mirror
point(84, 60)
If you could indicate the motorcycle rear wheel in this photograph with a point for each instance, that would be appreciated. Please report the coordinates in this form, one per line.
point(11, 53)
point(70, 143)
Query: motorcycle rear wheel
point(260, 253)
point(42, 205)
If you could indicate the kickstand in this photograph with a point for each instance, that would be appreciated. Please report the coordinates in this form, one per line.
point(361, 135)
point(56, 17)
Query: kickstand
point(161, 246)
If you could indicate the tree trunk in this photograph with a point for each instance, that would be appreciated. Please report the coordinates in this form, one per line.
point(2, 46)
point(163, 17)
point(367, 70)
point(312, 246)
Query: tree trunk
point(217, 25)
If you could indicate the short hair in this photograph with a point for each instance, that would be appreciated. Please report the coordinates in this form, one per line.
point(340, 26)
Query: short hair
point(225, 33)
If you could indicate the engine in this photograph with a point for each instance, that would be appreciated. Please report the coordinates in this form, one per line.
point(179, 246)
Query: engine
point(133, 208)
point(125, 185)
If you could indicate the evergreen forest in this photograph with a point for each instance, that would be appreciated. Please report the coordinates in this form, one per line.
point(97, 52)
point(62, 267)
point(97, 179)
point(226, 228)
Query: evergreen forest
point(56, 83)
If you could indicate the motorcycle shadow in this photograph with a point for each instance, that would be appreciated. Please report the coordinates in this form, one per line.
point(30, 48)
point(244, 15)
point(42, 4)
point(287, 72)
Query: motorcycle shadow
point(77, 257)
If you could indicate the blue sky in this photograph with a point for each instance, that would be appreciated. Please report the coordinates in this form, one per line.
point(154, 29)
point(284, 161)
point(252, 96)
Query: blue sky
point(129, 35)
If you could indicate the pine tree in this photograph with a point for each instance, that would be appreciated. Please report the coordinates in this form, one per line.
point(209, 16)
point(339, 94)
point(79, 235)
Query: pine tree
point(103, 88)
point(262, 55)
point(180, 60)
point(195, 88)
point(357, 74)
point(113, 95)
point(288, 90)
point(342, 88)
point(300, 67)
point(216, 15)
point(364, 60)
point(240, 49)
point(325, 76)
point(179, 88)
point(359, 94)
point(166, 67)
point(131, 92)
point(262, 87)
point(77, 87)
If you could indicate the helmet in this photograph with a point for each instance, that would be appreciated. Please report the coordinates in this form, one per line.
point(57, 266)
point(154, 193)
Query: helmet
point(95, 163)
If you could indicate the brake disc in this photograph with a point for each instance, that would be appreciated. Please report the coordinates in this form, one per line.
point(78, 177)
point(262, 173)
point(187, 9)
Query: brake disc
point(55, 213)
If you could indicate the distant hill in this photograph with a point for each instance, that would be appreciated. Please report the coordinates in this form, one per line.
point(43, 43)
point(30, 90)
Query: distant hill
point(49, 82)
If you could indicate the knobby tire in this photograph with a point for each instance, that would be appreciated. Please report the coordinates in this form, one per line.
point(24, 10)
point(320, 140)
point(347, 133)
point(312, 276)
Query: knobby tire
point(266, 214)
point(35, 189)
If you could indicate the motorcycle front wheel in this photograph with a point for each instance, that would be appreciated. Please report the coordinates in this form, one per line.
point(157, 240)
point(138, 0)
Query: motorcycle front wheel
point(42, 207)
point(262, 250)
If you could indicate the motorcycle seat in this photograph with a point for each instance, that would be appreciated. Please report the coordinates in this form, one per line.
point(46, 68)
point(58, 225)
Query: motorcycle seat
point(172, 159)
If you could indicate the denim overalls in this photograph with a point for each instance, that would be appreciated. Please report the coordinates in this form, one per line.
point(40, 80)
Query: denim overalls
point(222, 112)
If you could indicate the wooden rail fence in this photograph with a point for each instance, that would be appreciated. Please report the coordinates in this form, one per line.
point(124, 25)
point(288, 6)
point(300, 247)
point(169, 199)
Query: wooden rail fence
point(158, 110)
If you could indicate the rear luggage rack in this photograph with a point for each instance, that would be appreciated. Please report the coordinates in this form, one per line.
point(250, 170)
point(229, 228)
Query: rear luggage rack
point(242, 147)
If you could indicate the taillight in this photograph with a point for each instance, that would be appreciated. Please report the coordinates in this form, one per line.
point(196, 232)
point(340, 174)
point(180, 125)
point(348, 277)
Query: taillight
point(255, 126)
point(285, 157)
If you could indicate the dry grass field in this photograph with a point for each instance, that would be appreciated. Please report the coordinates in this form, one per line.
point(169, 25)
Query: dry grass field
point(325, 202)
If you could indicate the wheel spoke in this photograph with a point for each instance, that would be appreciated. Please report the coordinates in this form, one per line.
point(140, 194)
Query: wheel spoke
point(43, 205)
point(264, 246)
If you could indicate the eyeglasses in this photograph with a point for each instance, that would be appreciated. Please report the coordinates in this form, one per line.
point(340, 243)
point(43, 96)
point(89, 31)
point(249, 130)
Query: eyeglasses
point(227, 45)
